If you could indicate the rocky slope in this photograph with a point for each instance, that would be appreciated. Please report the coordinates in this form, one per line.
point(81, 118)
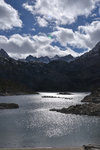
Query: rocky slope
point(94, 97)
point(3, 54)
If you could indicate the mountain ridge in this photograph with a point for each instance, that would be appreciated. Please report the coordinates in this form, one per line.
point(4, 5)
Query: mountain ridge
point(81, 74)
point(46, 59)
point(3, 53)
point(42, 59)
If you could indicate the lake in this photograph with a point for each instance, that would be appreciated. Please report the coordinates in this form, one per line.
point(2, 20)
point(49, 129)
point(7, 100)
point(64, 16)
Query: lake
point(33, 125)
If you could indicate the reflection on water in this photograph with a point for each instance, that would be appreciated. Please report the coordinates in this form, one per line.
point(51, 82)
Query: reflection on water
point(33, 125)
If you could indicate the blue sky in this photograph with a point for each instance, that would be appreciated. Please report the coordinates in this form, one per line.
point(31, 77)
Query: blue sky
point(49, 27)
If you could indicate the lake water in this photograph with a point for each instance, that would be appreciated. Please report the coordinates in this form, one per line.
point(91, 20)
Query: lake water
point(33, 125)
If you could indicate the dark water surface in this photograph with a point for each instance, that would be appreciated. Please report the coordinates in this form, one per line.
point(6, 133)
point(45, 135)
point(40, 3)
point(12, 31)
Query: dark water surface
point(33, 125)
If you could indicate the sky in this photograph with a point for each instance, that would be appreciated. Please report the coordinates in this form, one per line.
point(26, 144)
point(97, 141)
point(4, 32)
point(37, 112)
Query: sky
point(49, 27)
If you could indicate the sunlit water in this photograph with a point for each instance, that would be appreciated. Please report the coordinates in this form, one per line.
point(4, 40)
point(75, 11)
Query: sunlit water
point(33, 125)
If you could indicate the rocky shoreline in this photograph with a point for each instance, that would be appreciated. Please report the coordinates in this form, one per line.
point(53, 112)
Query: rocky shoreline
point(94, 97)
point(8, 106)
point(90, 107)
point(84, 109)
point(17, 93)
point(91, 147)
point(84, 147)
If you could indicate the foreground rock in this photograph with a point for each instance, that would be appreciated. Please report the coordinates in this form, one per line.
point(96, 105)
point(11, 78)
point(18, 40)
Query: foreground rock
point(91, 147)
point(8, 106)
point(94, 97)
point(84, 109)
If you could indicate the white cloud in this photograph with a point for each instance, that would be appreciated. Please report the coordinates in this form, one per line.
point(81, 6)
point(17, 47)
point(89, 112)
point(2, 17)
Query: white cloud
point(40, 45)
point(42, 22)
point(67, 37)
point(20, 46)
point(9, 17)
point(17, 44)
point(33, 29)
point(85, 37)
point(64, 35)
point(51, 51)
point(90, 33)
point(62, 11)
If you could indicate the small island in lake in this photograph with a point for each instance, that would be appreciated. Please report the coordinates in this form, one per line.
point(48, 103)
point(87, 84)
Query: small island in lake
point(8, 106)
point(92, 108)
point(64, 93)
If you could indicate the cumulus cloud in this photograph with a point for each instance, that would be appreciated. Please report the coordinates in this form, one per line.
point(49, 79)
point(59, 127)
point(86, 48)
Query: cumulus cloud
point(9, 17)
point(64, 35)
point(40, 45)
point(51, 51)
point(61, 11)
point(85, 37)
point(42, 22)
point(90, 33)
point(67, 37)
point(19, 46)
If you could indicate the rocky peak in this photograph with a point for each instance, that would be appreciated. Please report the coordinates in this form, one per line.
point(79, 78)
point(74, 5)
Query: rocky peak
point(30, 58)
point(97, 47)
point(3, 53)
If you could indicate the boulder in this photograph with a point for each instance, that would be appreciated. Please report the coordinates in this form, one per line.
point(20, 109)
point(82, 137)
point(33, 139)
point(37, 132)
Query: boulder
point(91, 147)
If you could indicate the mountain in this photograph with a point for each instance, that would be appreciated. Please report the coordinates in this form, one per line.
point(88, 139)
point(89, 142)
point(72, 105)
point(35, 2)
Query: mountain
point(67, 58)
point(46, 59)
point(81, 74)
point(96, 48)
point(3, 54)
point(30, 58)
point(90, 58)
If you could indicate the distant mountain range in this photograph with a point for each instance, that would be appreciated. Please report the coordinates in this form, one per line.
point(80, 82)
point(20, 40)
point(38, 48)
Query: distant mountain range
point(46, 59)
point(78, 74)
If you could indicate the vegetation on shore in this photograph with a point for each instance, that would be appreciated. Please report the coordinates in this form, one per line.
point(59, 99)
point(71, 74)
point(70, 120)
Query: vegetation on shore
point(8, 87)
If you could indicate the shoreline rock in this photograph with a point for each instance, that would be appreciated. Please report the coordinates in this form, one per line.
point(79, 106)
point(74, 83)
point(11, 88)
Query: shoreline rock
point(81, 109)
point(8, 106)
point(94, 97)
point(91, 147)
point(90, 108)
